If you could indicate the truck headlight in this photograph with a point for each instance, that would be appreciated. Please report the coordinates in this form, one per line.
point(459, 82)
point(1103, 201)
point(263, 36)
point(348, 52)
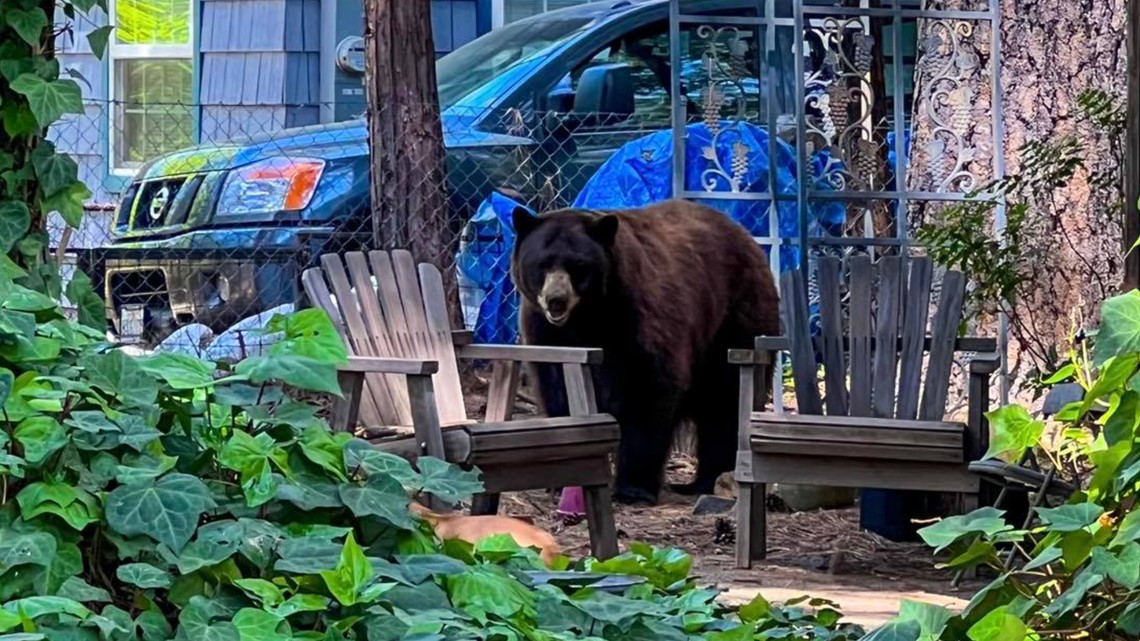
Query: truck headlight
point(275, 184)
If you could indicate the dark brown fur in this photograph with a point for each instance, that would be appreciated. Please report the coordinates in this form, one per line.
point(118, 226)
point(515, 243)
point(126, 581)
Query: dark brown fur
point(683, 283)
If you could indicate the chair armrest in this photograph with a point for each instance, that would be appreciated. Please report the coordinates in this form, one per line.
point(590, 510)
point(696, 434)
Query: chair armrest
point(761, 354)
point(462, 337)
point(531, 354)
point(984, 364)
point(373, 365)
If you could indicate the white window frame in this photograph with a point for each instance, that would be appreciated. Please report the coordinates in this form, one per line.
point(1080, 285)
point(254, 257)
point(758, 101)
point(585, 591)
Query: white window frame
point(117, 51)
point(499, 10)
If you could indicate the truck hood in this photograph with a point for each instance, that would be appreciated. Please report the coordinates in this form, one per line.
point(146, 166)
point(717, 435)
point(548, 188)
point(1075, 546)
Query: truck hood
point(347, 139)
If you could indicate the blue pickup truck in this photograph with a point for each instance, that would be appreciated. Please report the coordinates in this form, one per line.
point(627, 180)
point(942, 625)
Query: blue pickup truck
point(215, 233)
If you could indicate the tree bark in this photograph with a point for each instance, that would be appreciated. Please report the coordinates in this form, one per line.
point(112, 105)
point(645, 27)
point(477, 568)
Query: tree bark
point(409, 197)
point(1052, 51)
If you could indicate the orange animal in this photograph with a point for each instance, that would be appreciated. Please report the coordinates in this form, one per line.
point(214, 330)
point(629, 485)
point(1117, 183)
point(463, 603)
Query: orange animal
point(473, 529)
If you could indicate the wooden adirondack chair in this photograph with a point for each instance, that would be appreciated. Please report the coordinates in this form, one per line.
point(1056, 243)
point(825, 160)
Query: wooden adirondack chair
point(886, 430)
point(403, 372)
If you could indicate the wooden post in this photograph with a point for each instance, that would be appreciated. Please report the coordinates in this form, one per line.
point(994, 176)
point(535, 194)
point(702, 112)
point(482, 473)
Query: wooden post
point(409, 198)
point(1131, 224)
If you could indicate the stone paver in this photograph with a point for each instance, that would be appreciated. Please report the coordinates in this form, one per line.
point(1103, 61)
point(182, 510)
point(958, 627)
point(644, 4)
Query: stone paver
point(869, 608)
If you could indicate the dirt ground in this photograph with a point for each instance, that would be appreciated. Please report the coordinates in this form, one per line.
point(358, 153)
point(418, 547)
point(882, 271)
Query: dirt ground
point(805, 549)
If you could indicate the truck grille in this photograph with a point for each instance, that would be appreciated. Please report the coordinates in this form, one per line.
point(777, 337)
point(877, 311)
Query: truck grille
point(157, 203)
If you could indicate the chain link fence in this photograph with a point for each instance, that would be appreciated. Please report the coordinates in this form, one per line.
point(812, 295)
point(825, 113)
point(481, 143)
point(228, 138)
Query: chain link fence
point(191, 246)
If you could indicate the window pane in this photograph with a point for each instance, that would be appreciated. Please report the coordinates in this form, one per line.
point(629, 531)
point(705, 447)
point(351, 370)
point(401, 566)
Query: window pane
point(153, 104)
point(519, 9)
point(152, 22)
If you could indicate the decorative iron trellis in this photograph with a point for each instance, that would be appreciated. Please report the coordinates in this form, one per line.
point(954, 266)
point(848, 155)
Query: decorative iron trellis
point(892, 109)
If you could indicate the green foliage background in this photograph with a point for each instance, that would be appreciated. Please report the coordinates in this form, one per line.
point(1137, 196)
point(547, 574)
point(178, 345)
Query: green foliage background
point(1082, 577)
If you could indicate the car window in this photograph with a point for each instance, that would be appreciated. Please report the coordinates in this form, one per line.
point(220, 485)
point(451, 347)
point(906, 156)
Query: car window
point(647, 53)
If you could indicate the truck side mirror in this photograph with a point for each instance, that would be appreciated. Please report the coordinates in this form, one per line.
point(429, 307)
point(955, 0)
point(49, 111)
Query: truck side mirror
point(605, 94)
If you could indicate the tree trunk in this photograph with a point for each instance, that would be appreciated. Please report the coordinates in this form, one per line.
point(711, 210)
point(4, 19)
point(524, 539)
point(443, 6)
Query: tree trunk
point(1052, 51)
point(409, 198)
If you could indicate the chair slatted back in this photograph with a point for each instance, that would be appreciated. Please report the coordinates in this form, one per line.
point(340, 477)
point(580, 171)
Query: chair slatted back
point(883, 356)
point(386, 306)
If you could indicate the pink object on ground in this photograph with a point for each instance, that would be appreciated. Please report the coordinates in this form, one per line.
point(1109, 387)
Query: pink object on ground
point(572, 505)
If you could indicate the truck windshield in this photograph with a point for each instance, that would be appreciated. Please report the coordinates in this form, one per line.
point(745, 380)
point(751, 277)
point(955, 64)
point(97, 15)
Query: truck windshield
point(489, 57)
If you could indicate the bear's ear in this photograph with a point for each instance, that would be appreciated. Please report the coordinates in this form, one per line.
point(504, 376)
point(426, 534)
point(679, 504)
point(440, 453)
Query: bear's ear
point(523, 222)
point(604, 229)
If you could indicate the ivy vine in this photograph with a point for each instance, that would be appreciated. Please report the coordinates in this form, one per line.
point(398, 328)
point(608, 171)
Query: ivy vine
point(36, 179)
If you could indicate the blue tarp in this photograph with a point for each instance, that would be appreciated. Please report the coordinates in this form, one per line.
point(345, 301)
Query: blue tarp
point(638, 174)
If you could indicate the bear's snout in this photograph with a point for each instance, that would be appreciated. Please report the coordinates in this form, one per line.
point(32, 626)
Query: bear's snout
point(557, 298)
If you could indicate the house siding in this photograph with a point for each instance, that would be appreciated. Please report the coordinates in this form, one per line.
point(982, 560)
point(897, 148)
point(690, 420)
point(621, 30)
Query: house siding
point(257, 68)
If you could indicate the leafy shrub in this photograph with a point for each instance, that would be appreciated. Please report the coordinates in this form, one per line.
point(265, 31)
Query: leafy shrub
point(1083, 576)
point(157, 499)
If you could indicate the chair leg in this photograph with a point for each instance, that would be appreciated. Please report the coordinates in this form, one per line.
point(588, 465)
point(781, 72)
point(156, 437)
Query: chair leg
point(751, 523)
point(600, 521)
point(484, 504)
point(970, 503)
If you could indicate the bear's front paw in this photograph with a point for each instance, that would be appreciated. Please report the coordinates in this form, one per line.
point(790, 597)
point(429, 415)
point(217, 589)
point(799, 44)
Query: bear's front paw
point(634, 496)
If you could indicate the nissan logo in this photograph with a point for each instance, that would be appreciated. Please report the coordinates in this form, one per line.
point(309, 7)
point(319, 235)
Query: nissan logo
point(158, 203)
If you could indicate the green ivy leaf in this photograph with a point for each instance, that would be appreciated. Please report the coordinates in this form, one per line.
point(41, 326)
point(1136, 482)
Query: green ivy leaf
point(143, 575)
point(166, 510)
point(259, 625)
point(310, 492)
point(14, 222)
point(446, 481)
point(180, 371)
point(987, 521)
point(18, 121)
point(487, 590)
point(298, 371)
point(205, 551)
point(1085, 580)
point(54, 171)
point(1123, 568)
point(143, 468)
point(326, 449)
point(154, 626)
point(1069, 518)
point(1121, 425)
point(49, 100)
point(267, 593)
point(68, 203)
point(932, 619)
point(1119, 332)
point(380, 496)
point(98, 38)
point(29, 25)
point(76, 507)
point(302, 603)
point(1128, 530)
point(77, 589)
point(7, 380)
point(88, 304)
point(1115, 372)
point(40, 436)
point(998, 625)
point(351, 574)
point(67, 562)
point(25, 548)
point(309, 333)
point(1012, 432)
point(119, 375)
point(362, 456)
point(196, 623)
point(35, 607)
point(1129, 620)
point(309, 555)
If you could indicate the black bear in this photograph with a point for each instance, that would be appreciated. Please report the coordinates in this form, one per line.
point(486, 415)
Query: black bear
point(665, 291)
